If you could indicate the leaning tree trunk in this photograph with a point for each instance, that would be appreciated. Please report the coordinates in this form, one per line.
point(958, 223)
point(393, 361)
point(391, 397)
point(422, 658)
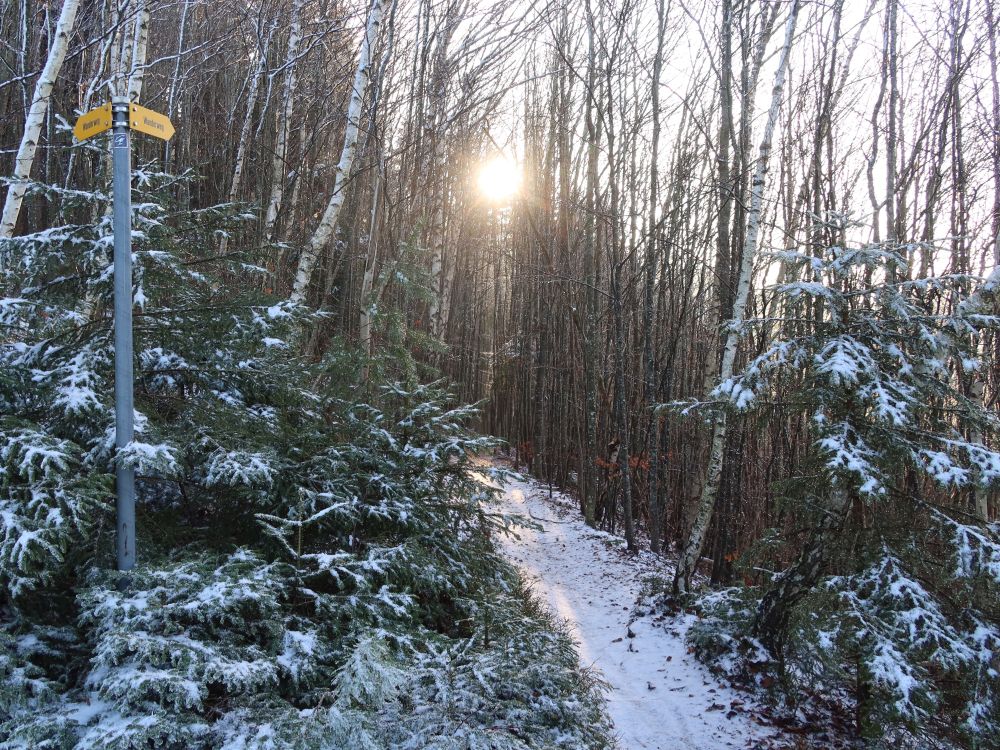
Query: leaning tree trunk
point(771, 622)
point(36, 116)
point(323, 233)
point(710, 490)
point(244, 142)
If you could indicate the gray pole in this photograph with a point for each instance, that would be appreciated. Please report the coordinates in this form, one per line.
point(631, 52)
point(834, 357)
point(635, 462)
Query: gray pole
point(124, 476)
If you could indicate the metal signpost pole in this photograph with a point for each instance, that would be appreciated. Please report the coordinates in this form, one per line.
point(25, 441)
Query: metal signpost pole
point(122, 196)
point(120, 116)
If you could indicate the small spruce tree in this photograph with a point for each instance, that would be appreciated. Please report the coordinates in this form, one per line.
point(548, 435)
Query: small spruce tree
point(894, 594)
point(314, 571)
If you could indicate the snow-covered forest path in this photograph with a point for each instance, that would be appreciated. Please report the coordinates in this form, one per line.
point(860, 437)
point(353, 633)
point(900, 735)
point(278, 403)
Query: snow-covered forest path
point(660, 697)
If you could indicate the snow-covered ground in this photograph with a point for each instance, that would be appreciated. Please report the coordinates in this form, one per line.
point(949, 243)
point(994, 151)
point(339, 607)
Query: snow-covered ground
point(660, 697)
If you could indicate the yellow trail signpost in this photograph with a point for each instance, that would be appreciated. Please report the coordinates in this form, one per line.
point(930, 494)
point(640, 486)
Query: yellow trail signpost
point(95, 122)
point(149, 122)
point(98, 120)
point(121, 116)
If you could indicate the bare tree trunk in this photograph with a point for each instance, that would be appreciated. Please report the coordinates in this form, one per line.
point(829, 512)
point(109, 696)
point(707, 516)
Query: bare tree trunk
point(993, 29)
point(96, 81)
point(285, 114)
point(140, 43)
point(593, 117)
point(621, 403)
point(891, 236)
point(773, 612)
point(324, 232)
point(723, 277)
point(992, 23)
point(439, 169)
point(22, 52)
point(175, 79)
point(244, 142)
point(36, 118)
point(649, 363)
point(696, 538)
point(116, 56)
point(369, 301)
point(616, 263)
point(252, 96)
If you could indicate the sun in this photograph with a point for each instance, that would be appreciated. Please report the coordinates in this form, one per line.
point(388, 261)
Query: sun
point(499, 179)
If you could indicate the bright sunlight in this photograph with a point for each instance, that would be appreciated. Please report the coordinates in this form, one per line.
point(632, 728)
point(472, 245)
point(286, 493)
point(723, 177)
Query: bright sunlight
point(499, 179)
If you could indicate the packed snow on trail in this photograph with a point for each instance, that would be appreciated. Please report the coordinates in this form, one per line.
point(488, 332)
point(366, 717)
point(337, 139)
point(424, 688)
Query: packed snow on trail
point(660, 697)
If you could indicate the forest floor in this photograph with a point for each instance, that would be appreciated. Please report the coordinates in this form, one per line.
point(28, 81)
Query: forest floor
point(659, 696)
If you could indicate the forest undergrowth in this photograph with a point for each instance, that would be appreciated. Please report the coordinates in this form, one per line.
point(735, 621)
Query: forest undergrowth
point(316, 567)
point(873, 603)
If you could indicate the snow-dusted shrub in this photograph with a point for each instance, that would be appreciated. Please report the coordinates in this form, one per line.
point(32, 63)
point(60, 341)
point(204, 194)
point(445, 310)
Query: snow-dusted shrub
point(314, 572)
point(892, 595)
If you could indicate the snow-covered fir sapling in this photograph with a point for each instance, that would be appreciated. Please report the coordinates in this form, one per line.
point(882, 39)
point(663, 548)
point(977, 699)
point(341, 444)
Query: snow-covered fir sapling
point(313, 572)
point(889, 593)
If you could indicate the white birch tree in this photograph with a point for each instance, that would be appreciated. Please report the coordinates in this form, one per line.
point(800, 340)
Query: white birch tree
point(242, 146)
point(278, 163)
point(244, 142)
point(710, 488)
point(36, 117)
point(321, 237)
point(369, 296)
point(140, 43)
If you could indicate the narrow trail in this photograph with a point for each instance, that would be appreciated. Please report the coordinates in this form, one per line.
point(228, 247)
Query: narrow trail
point(660, 697)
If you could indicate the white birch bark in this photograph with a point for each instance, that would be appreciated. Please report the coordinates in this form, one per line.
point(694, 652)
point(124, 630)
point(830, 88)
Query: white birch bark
point(175, 79)
point(115, 64)
point(370, 301)
point(124, 48)
point(241, 148)
point(97, 79)
point(327, 224)
point(299, 175)
point(36, 117)
point(710, 490)
point(140, 43)
point(127, 53)
point(22, 52)
point(278, 164)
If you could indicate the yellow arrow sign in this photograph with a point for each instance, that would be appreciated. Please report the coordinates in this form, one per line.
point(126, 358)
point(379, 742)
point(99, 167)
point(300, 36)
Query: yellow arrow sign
point(149, 122)
point(96, 121)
